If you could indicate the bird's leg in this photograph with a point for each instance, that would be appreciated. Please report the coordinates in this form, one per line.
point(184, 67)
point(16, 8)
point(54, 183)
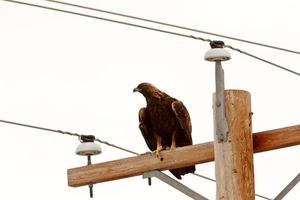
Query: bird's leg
point(159, 147)
point(173, 144)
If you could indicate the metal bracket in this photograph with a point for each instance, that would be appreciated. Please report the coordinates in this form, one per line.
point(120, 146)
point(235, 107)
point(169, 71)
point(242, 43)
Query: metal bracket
point(288, 188)
point(221, 125)
point(175, 184)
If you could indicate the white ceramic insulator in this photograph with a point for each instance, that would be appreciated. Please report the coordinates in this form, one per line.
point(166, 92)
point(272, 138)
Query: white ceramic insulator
point(88, 148)
point(217, 54)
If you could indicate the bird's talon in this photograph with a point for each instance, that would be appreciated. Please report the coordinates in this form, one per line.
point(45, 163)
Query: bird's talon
point(157, 153)
point(159, 156)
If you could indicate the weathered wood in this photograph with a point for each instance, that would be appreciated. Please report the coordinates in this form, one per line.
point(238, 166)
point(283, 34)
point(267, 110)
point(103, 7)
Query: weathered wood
point(180, 157)
point(234, 157)
point(199, 153)
point(276, 139)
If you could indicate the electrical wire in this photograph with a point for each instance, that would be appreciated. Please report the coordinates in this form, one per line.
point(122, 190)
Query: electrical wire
point(261, 59)
point(109, 20)
point(98, 140)
point(263, 197)
point(40, 128)
point(118, 147)
point(66, 133)
point(155, 29)
point(77, 135)
point(213, 180)
point(174, 26)
point(204, 177)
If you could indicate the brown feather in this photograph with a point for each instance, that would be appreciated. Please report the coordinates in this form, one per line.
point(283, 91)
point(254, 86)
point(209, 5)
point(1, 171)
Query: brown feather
point(164, 116)
point(146, 129)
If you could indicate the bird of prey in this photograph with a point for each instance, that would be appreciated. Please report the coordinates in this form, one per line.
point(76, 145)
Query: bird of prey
point(165, 123)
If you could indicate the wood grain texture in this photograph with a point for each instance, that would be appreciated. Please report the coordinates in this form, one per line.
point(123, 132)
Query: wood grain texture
point(112, 170)
point(199, 153)
point(234, 157)
point(276, 139)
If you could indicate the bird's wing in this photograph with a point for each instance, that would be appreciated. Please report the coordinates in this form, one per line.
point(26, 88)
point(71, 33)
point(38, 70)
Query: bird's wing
point(146, 130)
point(184, 119)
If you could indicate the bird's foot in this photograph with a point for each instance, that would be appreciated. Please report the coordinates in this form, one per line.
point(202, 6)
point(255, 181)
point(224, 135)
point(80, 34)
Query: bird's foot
point(157, 152)
point(173, 144)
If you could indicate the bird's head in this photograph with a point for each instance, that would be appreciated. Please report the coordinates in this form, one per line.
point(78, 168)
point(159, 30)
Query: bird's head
point(148, 90)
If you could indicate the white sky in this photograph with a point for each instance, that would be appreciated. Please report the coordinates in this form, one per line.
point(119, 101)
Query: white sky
point(77, 74)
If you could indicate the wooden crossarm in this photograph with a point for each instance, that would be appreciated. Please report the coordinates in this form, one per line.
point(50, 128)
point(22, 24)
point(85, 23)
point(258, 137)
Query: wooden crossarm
point(180, 157)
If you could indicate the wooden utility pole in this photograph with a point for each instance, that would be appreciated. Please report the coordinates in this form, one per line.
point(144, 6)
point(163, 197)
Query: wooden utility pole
point(234, 156)
point(232, 149)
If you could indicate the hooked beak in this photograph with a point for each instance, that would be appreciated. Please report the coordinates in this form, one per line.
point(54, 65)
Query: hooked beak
point(136, 90)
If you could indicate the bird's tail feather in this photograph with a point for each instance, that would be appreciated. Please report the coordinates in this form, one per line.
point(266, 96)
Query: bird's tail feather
point(182, 171)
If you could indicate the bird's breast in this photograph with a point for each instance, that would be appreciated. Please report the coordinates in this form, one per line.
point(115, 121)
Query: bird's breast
point(162, 118)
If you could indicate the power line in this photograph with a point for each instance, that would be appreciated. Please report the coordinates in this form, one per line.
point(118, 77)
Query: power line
point(263, 197)
point(77, 135)
point(175, 26)
point(98, 140)
point(154, 29)
point(40, 128)
point(66, 133)
point(118, 147)
point(213, 180)
point(204, 177)
point(109, 20)
point(261, 59)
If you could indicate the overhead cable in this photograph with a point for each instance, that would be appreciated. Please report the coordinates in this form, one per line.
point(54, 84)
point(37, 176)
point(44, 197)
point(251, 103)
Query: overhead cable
point(153, 29)
point(77, 135)
point(66, 133)
point(109, 20)
point(261, 59)
point(98, 140)
point(213, 180)
point(175, 26)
